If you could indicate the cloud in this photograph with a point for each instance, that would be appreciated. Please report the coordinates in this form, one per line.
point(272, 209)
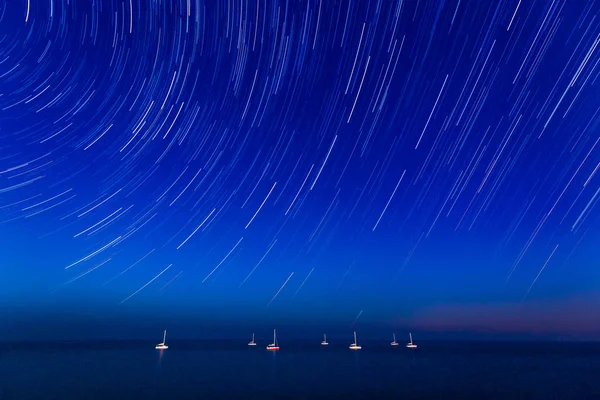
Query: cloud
point(572, 317)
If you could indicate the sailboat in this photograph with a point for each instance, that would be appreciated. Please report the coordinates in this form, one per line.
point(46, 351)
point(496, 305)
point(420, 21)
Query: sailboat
point(252, 343)
point(410, 344)
point(355, 346)
point(273, 346)
point(162, 346)
point(394, 343)
point(324, 342)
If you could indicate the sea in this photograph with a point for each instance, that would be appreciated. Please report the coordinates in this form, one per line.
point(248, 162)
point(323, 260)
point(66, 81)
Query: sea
point(229, 369)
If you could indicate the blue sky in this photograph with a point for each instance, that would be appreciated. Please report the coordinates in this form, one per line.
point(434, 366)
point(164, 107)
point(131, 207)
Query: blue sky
point(420, 165)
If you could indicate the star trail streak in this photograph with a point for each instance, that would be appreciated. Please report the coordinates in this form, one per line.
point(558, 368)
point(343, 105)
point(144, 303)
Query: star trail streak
point(451, 144)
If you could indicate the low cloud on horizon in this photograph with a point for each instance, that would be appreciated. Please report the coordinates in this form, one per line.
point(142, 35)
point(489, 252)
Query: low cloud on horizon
point(572, 318)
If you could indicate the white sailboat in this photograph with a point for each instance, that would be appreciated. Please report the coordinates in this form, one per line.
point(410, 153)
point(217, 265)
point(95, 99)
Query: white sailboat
point(273, 346)
point(252, 342)
point(324, 342)
point(355, 346)
point(410, 344)
point(162, 346)
point(394, 343)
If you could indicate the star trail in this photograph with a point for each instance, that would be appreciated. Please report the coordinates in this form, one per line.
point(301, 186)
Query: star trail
point(305, 158)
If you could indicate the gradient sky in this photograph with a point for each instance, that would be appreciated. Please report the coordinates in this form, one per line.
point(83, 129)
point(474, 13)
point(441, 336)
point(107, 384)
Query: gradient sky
point(424, 165)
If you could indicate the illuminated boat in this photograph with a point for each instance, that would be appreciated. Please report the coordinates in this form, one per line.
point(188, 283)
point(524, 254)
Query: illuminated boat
point(273, 346)
point(355, 346)
point(252, 343)
point(162, 346)
point(394, 343)
point(324, 342)
point(410, 344)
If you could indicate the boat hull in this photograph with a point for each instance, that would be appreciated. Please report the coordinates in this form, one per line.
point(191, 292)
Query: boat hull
point(161, 347)
point(273, 348)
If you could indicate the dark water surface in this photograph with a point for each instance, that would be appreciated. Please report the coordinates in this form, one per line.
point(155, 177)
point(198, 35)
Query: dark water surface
point(231, 370)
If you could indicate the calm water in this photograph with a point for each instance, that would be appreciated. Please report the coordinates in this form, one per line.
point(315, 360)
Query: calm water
point(229, 370)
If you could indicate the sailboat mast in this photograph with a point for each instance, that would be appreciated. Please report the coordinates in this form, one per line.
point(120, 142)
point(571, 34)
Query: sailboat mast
point(410, 336)
point(274, 338)
point(394, 337)
point(354, 337)
point(165, 336)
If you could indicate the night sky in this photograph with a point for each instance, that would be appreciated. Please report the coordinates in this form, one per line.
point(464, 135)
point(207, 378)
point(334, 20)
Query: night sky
point(415, 165)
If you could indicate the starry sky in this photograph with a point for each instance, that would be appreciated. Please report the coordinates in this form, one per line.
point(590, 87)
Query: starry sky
point(428, 165)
